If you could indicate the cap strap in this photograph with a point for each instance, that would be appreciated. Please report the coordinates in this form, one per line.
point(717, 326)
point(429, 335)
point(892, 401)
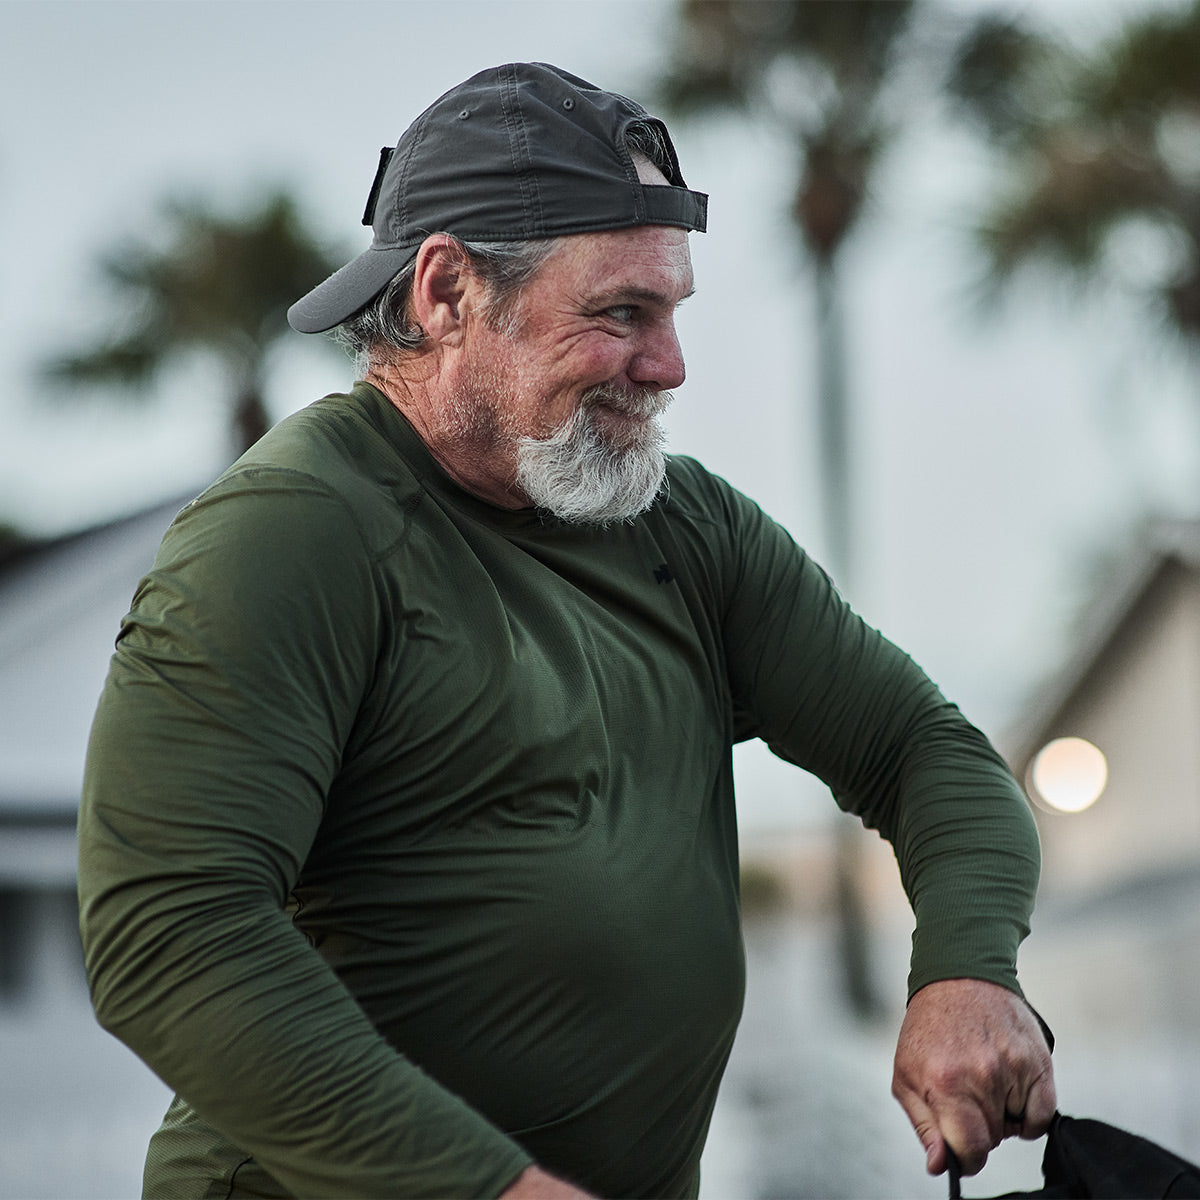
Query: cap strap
point(385, 157)
point(675, 206)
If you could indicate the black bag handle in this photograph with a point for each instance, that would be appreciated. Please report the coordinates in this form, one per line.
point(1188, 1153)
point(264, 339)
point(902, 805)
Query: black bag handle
point(954, 1171)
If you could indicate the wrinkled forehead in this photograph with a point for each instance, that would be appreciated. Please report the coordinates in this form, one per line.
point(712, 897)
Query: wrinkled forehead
point(650, 264)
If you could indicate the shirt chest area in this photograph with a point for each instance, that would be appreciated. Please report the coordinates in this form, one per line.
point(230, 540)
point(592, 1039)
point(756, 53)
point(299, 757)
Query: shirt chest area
point(535, 677)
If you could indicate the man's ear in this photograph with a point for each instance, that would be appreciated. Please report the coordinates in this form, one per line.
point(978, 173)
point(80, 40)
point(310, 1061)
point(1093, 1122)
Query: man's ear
point(442, 280)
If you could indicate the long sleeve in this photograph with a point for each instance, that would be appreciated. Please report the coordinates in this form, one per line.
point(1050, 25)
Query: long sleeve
point(828, 692)
point(234, 689)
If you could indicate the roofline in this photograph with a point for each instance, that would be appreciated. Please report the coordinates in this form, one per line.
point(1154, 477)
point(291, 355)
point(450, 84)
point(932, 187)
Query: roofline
point(31, 548)
point(1165, 545)
point(24, 815)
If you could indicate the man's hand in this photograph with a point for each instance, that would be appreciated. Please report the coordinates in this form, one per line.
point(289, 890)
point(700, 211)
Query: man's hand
point(535, 1184)
point(972, 1068)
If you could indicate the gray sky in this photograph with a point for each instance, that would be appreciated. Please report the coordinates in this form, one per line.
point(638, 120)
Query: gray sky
point(995, 458)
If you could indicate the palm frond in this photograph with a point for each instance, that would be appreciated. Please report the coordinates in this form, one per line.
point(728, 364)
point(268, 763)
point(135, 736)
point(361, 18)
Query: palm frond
point(128, 364)
point(214, 283)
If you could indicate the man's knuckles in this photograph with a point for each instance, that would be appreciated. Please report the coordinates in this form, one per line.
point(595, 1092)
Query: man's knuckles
point(981, 1078)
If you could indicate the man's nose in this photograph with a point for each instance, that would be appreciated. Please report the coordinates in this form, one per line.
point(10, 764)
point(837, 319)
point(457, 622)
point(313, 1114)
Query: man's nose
point(658, 362)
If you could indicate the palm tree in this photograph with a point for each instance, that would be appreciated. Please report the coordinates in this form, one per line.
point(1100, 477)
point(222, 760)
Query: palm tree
point(217, 284)
point(1093, 147)
point(818, 72)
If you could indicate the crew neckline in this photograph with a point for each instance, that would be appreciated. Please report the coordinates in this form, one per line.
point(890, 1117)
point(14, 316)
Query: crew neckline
point(434, 478)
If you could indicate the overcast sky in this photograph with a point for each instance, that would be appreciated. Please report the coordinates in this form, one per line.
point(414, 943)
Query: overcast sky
point(995, 458)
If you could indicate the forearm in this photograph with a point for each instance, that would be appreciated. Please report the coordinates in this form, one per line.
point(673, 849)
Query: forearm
point(233, 1009)
point(969, 857)
point(231, 698)
point(191, 832)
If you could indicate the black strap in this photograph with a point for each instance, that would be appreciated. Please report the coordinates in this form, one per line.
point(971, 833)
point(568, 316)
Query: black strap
point(385, 157)
point(1047, 1032)
point(954, 1170)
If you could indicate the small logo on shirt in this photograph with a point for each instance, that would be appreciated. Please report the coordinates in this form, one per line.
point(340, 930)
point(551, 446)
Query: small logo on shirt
point(662, 573)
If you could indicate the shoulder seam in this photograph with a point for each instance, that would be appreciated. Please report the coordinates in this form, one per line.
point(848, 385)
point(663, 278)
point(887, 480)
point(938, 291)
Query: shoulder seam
point(322, 487)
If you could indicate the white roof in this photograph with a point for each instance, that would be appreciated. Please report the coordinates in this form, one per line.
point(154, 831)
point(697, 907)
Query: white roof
point(60, 609)
point(1162, 543)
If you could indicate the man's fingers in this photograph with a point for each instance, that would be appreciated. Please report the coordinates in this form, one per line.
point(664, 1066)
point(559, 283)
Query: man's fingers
point(1015, 1113)
point(1040, 1107)
point(926, 1126)
point(939, 1120)
point(1030, 1107)
point(970, 1136)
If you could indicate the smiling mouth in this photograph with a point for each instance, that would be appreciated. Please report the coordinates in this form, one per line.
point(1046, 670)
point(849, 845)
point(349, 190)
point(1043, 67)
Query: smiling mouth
point(624, 412)
point(642, 405)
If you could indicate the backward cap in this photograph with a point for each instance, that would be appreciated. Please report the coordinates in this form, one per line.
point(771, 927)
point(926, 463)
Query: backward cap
point(519, 151)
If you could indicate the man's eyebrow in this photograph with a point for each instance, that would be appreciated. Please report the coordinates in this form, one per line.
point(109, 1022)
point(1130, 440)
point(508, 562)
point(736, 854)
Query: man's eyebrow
point(634, 292)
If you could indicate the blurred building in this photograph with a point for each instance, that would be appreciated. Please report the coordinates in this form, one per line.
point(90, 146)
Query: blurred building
point(61, 604)
point(1110, 755)
point(1110, 751)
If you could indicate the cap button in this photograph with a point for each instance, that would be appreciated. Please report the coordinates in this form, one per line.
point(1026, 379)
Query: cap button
point(568, 104)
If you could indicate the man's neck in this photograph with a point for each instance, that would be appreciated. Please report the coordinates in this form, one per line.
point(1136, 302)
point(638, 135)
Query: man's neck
point(473, 462)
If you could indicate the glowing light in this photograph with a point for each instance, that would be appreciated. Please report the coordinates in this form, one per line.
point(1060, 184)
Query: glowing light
point(1069, 774)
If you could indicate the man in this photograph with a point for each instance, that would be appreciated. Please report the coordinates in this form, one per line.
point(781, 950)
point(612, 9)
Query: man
point(408, 852)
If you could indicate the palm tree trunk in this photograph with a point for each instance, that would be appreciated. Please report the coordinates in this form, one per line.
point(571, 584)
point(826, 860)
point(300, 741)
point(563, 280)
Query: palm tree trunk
point(833, 437)
point(250, 418)
point(833, 440)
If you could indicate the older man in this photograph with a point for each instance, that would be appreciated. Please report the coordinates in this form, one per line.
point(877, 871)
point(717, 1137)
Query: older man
point(408, 850)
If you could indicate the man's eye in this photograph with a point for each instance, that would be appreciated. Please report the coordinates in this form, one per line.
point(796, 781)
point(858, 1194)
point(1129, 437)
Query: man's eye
point(621, 312)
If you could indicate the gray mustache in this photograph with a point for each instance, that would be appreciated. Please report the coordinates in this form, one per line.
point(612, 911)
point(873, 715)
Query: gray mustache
point(638, 402)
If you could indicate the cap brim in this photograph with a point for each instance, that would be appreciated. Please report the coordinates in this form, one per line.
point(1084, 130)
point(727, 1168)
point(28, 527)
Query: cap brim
point(347, 290)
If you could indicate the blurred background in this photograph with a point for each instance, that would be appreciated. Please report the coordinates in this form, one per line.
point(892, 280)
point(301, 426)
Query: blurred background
point(945, 331)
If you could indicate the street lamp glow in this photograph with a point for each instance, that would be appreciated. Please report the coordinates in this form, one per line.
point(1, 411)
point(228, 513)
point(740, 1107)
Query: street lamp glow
point(1069, 774)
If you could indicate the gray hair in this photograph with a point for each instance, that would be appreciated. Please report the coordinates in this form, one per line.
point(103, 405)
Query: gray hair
point(648, 139)
point(505, 267)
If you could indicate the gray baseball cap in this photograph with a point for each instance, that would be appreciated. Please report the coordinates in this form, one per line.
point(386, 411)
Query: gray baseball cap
point(520, 151)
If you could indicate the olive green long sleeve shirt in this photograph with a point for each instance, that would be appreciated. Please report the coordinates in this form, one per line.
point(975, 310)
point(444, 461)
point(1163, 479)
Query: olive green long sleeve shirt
point(408, 851)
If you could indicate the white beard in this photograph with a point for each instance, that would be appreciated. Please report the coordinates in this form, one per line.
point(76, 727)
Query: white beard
point(588, 473)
